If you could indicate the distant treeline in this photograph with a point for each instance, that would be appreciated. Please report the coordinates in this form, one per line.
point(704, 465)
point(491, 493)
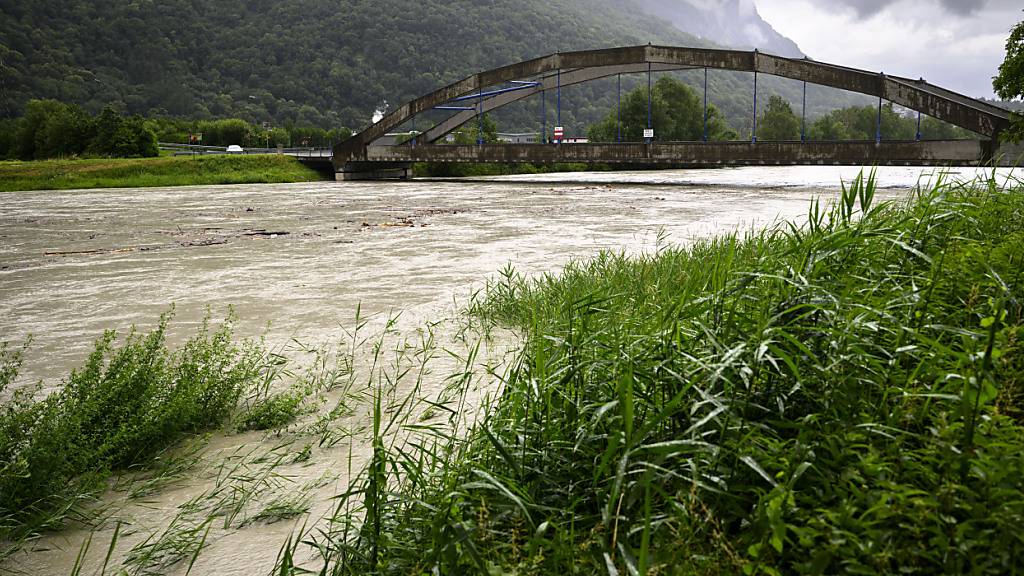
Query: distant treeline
point(235, 131)
point(861, 123)
point(677, 114)
point(52, 129)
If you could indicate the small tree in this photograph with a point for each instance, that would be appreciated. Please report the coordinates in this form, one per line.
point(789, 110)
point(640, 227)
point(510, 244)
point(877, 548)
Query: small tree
point(1009, 84)
point(108, 126)
point(677, 114)
point(778, 121)
point(830, 128)
point(29, 138)
point(468, 133)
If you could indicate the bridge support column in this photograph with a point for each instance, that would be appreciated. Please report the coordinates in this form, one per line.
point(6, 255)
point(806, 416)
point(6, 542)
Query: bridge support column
point(353, 171)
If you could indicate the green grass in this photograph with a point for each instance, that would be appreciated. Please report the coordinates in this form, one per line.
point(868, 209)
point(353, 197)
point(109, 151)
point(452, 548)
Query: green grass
point(839, 397)
point(147, 172)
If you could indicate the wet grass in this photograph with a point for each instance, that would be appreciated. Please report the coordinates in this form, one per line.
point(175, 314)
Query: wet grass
point(169, 467)
point(259, 482)
point(838, 397)
point(148, 172)
point(131, 401)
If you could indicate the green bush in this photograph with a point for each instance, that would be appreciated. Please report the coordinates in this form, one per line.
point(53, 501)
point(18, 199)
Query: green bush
point(274, 411)
point(51, 129)
point(127, 403)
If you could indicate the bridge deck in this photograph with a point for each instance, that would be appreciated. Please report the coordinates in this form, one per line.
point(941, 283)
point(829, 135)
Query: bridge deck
point(940, 152)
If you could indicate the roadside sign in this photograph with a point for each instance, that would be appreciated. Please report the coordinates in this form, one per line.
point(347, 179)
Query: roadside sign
point(559, 133)
point(649, 133)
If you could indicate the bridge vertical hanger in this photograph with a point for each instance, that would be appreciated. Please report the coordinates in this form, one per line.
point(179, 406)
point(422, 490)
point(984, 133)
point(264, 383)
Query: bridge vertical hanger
point(705, 103)
point(648, 140)
point(881, 92)
point(753, 131)
point(878, 126)
point(803, 116)
point(543, 116)
point(558, 76)
point(618, 109)
point(918, 138)
point(480, 117)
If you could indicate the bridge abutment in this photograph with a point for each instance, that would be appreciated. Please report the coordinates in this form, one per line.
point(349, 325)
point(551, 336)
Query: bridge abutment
point(353, 171)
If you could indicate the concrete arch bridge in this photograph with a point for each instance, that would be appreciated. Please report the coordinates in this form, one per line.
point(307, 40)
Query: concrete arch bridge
point(366, 155)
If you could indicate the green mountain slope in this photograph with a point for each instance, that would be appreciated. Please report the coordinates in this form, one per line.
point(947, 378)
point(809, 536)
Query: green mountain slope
point(328, 63)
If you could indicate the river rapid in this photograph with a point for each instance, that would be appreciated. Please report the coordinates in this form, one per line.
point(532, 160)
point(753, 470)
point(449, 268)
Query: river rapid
point(296, 262)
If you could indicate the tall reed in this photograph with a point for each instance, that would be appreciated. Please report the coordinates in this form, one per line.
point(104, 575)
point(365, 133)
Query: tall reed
point(839, 396)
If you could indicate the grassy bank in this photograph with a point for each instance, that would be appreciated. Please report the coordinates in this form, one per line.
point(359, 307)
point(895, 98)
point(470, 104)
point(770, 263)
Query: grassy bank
point(843, 397)
point(146, 172)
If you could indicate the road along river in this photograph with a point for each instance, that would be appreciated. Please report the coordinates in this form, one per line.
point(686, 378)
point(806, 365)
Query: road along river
point(295, 261)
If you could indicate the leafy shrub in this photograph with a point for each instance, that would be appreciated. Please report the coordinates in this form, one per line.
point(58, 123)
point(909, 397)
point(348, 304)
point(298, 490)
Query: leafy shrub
point(127, 403)
point(274, 411)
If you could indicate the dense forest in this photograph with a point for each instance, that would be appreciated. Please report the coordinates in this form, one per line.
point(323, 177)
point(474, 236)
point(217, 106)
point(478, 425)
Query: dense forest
point(324, 64)
point(52, 129)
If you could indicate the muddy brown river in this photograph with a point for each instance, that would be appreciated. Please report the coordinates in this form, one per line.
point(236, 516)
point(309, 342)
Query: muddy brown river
point(295, 261)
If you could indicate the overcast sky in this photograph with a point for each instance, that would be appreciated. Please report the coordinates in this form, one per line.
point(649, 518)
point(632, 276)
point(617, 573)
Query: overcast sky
point(957, 44)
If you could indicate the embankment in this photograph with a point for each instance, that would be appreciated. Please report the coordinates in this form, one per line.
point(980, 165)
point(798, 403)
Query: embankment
point(148, 172)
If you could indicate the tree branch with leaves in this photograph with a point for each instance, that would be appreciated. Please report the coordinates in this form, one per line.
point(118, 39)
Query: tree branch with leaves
point(1009, 84)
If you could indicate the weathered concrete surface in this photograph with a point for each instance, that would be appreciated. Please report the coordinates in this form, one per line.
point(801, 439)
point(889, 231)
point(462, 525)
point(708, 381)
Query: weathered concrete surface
point(1009, 155)
point(374, 171)
point(984, 119)
point(943, 152)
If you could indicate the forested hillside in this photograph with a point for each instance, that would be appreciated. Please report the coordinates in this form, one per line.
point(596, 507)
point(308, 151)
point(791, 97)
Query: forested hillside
point(326, 63)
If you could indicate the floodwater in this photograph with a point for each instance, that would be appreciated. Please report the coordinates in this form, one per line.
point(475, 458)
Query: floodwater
point(295, 261)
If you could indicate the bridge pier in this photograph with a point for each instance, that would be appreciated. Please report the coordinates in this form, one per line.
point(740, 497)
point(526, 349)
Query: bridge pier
point(352, 171)
point(1006, 154)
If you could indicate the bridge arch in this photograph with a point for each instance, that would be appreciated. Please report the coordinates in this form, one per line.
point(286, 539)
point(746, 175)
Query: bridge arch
point(582, 66)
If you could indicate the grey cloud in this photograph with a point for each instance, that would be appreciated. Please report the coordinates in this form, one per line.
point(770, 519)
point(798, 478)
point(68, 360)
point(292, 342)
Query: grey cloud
point(963, 7)
point(866, 8)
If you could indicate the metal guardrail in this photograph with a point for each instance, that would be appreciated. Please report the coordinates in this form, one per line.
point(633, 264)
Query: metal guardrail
point(183, 149)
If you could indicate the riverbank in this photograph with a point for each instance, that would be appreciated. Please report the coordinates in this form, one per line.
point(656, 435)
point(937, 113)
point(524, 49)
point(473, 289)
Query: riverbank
point(841, 397)
point(626, 360)
point(149, 172)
